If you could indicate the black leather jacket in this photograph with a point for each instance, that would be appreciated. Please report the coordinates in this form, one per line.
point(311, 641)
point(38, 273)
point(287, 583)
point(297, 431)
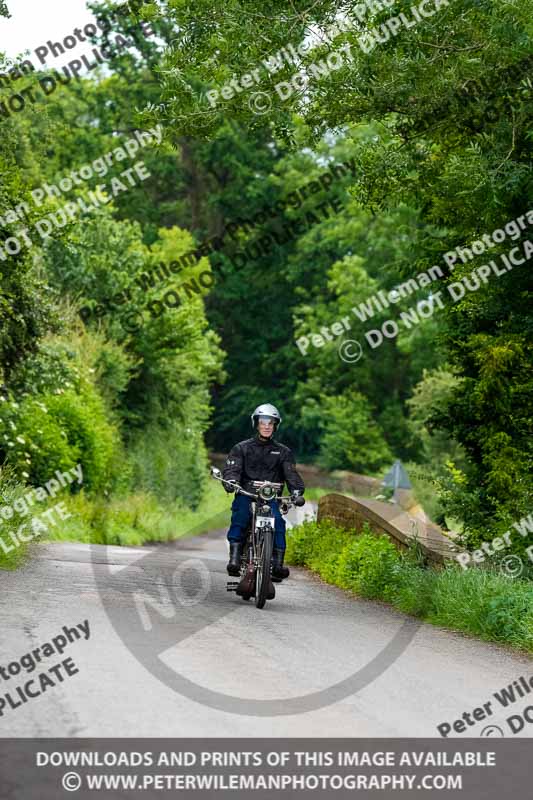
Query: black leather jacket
point(258, 460)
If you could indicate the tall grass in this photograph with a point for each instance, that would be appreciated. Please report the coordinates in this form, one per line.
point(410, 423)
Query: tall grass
point(139, 518)
point(131, 521)
point(11, 555)
point(481, 603)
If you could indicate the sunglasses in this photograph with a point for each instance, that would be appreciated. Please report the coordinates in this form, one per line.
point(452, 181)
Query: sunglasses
point(266, 420)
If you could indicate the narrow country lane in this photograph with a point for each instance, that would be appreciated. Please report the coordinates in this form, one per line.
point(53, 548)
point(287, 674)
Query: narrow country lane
point(310, 637)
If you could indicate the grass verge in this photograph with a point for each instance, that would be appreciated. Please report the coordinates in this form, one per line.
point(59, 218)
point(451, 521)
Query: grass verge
point(130, 521)
point(479, 602)
point(139, 518)
point(13, 553)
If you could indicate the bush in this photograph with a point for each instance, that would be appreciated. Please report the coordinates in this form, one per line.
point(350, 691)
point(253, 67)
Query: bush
point(170, 461)
point(414, 590)
point(298, 543)
point(32, 441)
point(61, 418)
point(480, 602)
point(364, 564)
point(351, 439)
point(368, 565)
point(57, 431)
point(90, 433)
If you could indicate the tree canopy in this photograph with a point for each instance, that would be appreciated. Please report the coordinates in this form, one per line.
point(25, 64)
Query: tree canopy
point(317, 161)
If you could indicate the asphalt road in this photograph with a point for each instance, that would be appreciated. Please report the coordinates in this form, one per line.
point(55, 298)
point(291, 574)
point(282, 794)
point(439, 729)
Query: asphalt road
point(159, 663)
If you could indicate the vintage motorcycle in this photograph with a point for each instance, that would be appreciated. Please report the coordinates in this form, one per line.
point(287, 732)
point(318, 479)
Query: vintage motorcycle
point(256, 566)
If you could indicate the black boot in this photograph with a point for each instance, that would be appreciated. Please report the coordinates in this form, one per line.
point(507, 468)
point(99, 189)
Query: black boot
point(235, 554)
point(279, 572)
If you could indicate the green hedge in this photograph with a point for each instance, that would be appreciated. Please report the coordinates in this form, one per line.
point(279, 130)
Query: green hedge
point(170, 461)
point(479, 602)
point(50, 432)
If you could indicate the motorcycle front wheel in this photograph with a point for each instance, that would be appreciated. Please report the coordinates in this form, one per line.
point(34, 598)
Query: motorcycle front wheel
point(263, 570)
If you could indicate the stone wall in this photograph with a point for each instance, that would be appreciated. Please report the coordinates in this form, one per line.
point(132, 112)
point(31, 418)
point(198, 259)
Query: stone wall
point(386, 519)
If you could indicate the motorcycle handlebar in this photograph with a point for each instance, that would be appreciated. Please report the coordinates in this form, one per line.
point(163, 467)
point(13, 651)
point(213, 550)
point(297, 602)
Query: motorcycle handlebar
point(296, 501)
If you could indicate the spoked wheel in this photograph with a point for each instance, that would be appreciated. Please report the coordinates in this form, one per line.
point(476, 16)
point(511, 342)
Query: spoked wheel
point(262, 579)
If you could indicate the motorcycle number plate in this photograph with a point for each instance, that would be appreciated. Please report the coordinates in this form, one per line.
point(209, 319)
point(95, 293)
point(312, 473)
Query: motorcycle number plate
point(265, 522)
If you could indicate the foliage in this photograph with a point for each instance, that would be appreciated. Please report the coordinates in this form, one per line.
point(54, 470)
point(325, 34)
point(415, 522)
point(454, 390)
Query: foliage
point(26, 305)
point(479, 602)
point(32, 441)
point(430, 396)
point(56, 432)
point(131, 407)
point(351, 439)
point(436, 125)
point(138, 518)
point(11, 557)
point(449, 109)
point(90, 433)
point(170, 461)
point(364, 564)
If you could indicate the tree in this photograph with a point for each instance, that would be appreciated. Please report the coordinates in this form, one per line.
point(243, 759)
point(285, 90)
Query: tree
point(350, 437)
point(452, 110)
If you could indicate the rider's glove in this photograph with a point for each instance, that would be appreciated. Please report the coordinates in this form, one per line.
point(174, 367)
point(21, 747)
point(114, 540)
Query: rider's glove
point(298, 498)
point(229, 487)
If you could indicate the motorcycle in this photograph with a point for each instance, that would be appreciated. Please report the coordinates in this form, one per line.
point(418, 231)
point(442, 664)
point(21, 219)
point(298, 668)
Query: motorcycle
point(256, 566)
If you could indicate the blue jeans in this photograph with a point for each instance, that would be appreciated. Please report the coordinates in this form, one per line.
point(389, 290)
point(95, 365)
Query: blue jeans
point(240, 516)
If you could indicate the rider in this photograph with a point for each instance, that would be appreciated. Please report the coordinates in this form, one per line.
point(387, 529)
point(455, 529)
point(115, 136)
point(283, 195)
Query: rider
point(260, 458)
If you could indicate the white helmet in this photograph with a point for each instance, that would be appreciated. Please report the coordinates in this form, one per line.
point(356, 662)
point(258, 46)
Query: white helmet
point(266, 410)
